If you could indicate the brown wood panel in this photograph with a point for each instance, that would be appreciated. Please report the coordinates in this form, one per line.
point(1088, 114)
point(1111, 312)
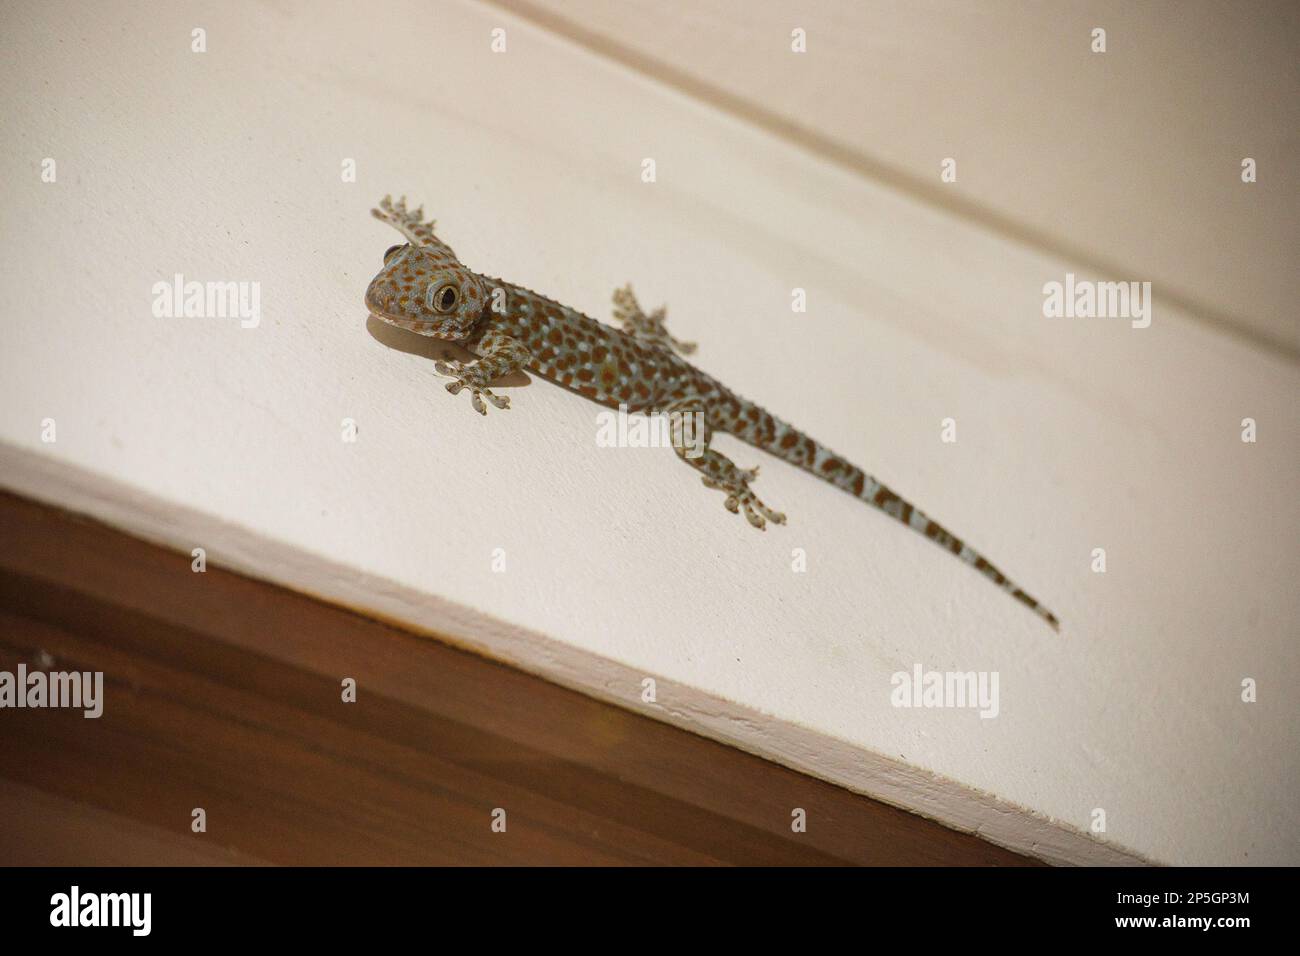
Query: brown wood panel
point(224, 693)
point(54, 831)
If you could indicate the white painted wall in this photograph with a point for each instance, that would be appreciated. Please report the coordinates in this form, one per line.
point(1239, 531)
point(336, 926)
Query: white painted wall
point(1072, 434)
point(1129, 157)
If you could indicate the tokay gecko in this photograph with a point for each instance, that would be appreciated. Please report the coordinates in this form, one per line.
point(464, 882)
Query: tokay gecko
point(424, 288)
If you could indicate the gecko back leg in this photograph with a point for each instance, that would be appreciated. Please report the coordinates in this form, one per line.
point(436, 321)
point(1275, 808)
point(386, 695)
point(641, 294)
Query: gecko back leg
point(690, 432)
point(647, 328)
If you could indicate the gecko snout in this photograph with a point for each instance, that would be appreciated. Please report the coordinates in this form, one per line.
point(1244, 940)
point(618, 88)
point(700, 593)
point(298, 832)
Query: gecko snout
point(381, 294)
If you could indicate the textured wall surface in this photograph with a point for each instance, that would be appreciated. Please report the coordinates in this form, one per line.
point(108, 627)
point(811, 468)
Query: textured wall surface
point(1128, 159)
point(1072, 434)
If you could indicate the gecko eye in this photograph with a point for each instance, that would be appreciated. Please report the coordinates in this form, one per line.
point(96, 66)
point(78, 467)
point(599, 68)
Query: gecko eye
point(444, 299)
point(389, 254)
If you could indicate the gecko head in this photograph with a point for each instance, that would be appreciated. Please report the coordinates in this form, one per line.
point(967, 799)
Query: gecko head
point(427, 291)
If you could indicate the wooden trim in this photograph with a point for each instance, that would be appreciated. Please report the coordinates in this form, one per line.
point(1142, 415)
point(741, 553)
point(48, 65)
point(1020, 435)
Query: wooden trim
point(224, 693)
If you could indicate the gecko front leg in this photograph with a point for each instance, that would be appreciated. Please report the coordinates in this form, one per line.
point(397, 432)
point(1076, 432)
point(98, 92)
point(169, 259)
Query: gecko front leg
point(408, 222)
point(499, 355)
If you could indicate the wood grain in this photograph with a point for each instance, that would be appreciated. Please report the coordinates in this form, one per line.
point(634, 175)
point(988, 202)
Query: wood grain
point(253, 731)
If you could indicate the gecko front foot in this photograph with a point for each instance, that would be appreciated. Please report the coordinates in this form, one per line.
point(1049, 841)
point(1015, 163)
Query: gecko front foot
point(409, 222)
point(465, 376)
point(396, 212)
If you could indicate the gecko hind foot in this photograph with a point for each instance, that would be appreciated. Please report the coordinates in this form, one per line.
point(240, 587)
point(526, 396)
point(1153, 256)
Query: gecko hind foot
point(648, 328)
point(463, 378)
point(720, 472)
point(741, 499)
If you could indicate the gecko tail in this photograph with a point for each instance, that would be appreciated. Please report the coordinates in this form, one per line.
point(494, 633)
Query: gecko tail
point(882, 497)
point(755, 426)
